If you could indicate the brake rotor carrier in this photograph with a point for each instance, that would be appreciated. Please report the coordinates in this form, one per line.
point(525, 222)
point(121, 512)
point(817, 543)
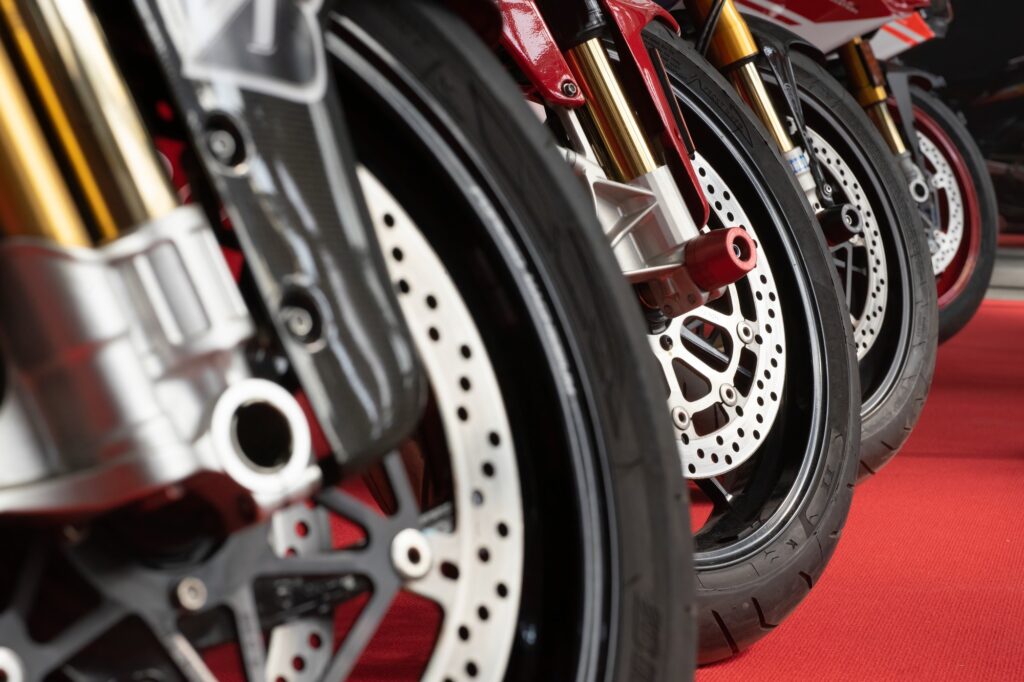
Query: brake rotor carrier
point(947, 235)
point(861, 261)
point(725, 362)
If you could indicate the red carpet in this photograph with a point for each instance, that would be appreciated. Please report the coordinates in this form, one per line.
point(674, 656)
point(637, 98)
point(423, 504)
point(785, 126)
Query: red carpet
point(928, 581)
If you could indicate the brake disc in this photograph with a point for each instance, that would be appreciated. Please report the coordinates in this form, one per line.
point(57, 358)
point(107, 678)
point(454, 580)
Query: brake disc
point(948, 227)
point(725, 362)
point(861, 261)
point(283, 578)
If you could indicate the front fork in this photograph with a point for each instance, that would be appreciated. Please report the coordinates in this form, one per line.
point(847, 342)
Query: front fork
point(627, 145)
point(867, 81)
point(127, 336)
point(734, 51)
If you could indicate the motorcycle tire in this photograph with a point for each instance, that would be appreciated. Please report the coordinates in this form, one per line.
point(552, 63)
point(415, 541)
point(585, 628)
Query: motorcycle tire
point(953, 160)
point(888, 280)
point(608, 581)
point(776, 518)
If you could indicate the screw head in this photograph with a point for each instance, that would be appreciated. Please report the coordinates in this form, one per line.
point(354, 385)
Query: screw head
point(410, 554)
point(191, 594)
point(826, 189)
point(666, 342)
point(680, 418)
point(298, 320)
point(570, 89)
point(728, 394)
point(745, 332)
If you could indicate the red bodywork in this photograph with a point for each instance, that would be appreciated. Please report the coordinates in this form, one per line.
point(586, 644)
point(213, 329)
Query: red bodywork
point(526, 37)
point(529, 42)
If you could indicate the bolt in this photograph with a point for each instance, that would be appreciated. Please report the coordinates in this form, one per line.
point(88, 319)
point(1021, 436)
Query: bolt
point(745, 332)
point(826, 189)
point(191, 594)
point(222, 145)
point(298, 320)
point(410, 554)
point(728, 394)
point(680, 418)
point(666, 342)
point(569, 89)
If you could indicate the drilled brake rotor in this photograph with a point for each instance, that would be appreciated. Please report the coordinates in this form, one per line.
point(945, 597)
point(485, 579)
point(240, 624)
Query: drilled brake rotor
point(725, 363)
point(948, 227)
point(861, 262)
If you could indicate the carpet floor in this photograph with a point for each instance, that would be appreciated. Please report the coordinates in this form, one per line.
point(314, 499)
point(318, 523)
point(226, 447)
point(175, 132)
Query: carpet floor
point(928, 579)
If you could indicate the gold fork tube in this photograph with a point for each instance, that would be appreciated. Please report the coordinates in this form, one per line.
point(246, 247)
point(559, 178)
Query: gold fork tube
point(34, 200)
point(749, 84)
point(607, 106)
point(91, 111)
point(732, 40)
point(867, 83)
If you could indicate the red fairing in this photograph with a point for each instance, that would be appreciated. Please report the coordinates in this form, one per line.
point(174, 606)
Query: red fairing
point(907, 6)
point(631, 17)
point(527, 39)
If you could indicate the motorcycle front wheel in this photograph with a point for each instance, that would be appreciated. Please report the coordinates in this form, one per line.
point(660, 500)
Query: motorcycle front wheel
point(606, 578)
point(533, 527)
point(762, 382)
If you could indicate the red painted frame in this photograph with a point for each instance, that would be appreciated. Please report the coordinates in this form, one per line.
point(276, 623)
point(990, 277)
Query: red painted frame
point(527, 39)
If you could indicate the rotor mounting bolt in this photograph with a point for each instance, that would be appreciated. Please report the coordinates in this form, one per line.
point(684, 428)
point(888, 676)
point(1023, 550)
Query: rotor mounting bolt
point(191, 594)
point(728, 394)
point(569, 89)
point(680, 418)
point(410, 554)
point(745, 332)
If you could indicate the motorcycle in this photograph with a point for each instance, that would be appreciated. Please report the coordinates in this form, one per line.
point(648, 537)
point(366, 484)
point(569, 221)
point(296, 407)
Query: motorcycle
point(303, 324)
point(937, 155)
point(754, 342)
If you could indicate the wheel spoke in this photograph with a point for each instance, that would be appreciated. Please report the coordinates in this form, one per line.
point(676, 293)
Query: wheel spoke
point(363, 629)
point(28, 580)
point(716, 492)
point(85, 631)
point(250, 635)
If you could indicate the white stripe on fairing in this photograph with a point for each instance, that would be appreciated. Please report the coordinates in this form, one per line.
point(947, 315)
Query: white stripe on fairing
point(776, 9)
point(885, 45)
point(897, 27)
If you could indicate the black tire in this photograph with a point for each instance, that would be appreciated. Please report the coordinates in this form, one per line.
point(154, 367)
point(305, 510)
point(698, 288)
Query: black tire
point(958, 311)
point(608, 592)
point(896, 373)
point(757, 560)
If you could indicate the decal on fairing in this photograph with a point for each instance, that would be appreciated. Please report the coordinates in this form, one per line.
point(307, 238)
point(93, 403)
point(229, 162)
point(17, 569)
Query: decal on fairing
point(823, 23)
point(901, 35)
